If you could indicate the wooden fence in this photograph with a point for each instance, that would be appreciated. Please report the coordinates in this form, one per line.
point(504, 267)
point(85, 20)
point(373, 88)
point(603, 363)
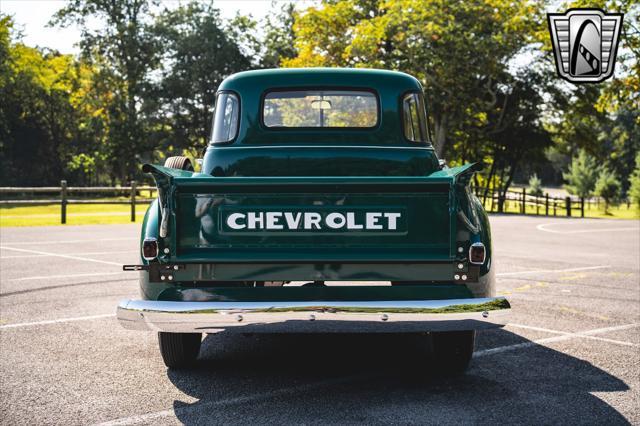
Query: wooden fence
point(523, 203)
point(130, 195)
point(518, 202)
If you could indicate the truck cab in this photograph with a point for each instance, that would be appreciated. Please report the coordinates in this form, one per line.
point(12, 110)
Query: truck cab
point(320, 206)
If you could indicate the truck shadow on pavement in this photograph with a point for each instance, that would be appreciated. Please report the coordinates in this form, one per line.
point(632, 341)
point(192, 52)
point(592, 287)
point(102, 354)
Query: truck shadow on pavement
point(382, 378)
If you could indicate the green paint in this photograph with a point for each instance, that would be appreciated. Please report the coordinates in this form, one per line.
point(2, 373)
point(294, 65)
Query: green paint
point(321, 171)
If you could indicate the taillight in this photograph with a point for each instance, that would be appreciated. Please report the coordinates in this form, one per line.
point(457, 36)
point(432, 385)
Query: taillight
point(150, 248)
point(477, 254)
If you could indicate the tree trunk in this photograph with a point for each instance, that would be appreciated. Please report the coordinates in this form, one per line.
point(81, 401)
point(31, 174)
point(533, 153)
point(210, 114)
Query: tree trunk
point(507, 184)
point(440, 136)
point(489, 177)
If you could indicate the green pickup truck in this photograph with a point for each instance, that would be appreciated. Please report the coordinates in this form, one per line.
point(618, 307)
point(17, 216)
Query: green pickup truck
point(321, 206)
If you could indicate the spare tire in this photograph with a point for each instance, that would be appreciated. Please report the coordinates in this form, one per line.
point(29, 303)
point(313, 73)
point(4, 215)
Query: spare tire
point(181, 163)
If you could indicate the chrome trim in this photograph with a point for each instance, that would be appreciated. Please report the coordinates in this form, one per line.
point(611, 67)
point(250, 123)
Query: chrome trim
point(314, 316)
point(483, 257)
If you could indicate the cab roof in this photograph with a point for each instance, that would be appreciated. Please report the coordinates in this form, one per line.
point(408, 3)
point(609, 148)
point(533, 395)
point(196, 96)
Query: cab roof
point(261, 80)
point(389, 87)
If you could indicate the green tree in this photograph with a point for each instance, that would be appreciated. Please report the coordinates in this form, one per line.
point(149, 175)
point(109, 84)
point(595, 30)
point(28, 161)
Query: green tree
point(623, 91)
point(516, 137)
point(480, 109)
point(117, 42)
point(278, 42)
point(608, 187)
point(41, 112)
point(199, 51)
point(621, 143)
point(582, 175)
point(535, 185)
point(443, 43)
point(634, 183)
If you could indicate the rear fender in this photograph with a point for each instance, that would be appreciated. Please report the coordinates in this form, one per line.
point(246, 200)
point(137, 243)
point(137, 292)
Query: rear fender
point(473, 221)
point(164, 177)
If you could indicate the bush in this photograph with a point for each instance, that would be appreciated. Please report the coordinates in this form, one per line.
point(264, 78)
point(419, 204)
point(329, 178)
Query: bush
point(608, 187)
point(581, 176)
point(535, 186)
point(634, 183)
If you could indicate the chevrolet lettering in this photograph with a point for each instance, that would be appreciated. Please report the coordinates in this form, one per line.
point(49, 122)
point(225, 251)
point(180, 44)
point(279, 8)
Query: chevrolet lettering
point(314, 221)
point(320, 205)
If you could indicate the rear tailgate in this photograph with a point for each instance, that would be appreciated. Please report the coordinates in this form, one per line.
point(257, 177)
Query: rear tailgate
point(310, 219)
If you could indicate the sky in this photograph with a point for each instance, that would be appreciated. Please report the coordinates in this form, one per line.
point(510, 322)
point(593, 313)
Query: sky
point(31, 16)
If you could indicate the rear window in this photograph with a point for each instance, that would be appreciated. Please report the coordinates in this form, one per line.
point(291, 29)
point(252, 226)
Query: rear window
point(320, 108)
point(225, 118)
point(414, 117)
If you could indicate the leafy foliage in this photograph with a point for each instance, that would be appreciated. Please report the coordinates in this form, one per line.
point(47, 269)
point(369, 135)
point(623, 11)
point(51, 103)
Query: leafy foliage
point(535, 185)
point(634, 182)
point(278, 43)
point(144, 85)
point(607, 187)
point(197, 54)
point(438, 42)
point(582, 175)
point(41, 115)
point(121, 52)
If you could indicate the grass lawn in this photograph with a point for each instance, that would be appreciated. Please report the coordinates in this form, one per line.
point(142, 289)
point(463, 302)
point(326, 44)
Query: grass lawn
point(590, 210)
point(77, 214)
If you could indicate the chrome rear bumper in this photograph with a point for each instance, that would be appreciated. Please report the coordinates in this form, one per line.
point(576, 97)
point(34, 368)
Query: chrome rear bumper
point(321, 316)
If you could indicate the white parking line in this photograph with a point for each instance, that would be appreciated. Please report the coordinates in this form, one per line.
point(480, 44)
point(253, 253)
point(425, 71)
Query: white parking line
point(554, 339)
point(21, 256)
point(56, 321)
point(585, 268)
point(578, 334)
point(151, 417)
point(48, 277)
point(65, 256)
point(29, 243)
point(543, 227)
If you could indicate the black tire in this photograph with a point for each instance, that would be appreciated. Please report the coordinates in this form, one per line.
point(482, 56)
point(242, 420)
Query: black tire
point(452, 350)
point(181, 163)
point(179, 350)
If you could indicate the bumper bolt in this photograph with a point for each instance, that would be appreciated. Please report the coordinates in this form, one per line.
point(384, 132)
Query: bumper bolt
point(460, 266)
point(456, 277)
point(166, 250)
point(485, 314)
point(162, 277)
point(464, 278)
point(170, 277)
point(312, 317)
point(384, 317)
point(460, 249)
point(239, 318)
point(175, 267)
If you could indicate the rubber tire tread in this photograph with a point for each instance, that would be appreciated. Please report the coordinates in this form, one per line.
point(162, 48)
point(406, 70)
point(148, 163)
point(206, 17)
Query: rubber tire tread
point(453, 350)
point(179, 162)
point(179, 350)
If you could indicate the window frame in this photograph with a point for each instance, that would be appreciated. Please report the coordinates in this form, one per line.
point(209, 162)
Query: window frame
point(320, 88)
point(426, 128)
point(213, 120)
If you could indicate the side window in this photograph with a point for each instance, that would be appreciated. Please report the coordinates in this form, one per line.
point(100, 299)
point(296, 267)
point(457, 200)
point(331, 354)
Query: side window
point(225, 118)
point(414, 118)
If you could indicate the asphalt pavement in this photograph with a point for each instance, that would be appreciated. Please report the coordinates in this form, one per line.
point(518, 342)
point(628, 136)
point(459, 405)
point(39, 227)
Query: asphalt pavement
point(570, 354)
